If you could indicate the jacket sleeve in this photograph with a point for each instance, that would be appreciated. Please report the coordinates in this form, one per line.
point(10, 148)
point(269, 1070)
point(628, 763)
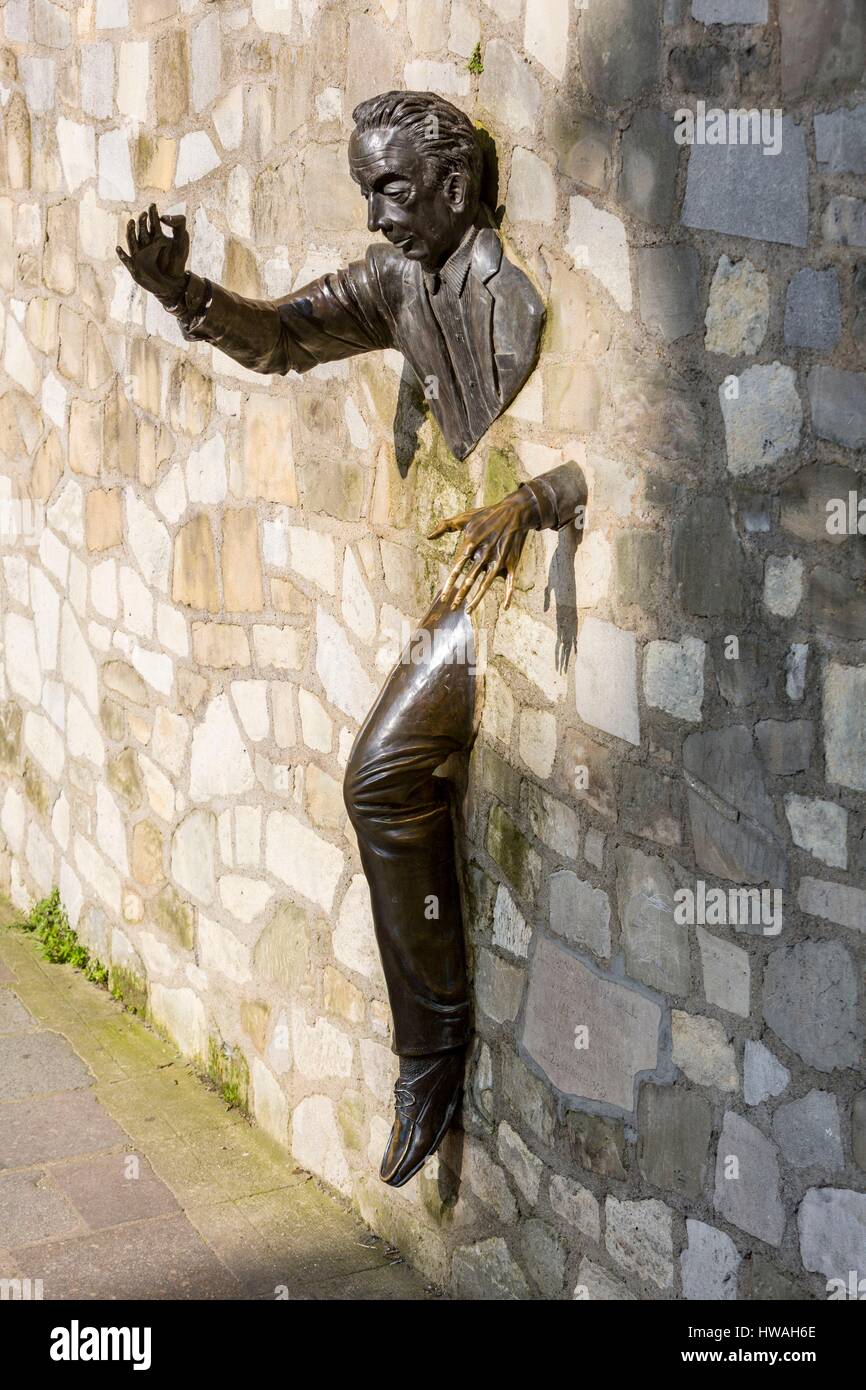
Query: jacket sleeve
point(338, 315)
point(560, 495)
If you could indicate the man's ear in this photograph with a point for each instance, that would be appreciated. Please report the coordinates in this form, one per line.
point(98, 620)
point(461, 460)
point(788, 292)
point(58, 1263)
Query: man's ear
point(456, 190)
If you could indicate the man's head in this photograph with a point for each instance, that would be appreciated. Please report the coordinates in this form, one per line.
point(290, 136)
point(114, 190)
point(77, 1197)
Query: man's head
point(418, 163)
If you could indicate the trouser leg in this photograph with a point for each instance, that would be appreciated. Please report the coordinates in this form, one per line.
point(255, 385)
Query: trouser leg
point(402, 817)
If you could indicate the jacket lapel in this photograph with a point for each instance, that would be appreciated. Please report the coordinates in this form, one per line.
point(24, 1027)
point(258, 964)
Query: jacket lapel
point(486, 259)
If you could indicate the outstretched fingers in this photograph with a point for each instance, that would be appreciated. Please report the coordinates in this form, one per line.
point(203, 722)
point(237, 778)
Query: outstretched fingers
point(460, 594)
point(453, 523)
point(464, 554)
point(485, 584)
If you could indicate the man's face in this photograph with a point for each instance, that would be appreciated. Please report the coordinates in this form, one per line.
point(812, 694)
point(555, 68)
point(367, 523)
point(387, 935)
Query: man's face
point(407, 199)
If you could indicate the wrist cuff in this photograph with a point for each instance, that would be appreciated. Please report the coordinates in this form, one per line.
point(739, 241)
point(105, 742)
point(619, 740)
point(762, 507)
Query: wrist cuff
point(545, 501)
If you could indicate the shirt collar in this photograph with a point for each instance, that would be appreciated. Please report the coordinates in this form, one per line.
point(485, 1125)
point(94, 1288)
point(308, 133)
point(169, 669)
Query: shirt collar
point(456, 268)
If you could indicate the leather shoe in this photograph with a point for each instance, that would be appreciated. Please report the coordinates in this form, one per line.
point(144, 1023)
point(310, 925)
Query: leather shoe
point(424, 1108)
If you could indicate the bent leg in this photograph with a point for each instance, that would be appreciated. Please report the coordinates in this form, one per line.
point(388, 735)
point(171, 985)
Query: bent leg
point(401, 813)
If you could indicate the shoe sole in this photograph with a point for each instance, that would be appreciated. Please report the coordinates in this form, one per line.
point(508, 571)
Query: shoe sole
point(443, 1130)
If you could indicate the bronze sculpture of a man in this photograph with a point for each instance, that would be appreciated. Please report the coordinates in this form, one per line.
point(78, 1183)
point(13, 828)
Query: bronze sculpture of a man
point(444, 294)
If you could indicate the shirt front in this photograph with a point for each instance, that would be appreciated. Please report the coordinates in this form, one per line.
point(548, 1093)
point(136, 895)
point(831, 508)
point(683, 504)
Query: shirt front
point(474, 400)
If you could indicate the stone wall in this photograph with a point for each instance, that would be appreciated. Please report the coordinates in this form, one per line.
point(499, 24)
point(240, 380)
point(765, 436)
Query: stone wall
point(206, 575)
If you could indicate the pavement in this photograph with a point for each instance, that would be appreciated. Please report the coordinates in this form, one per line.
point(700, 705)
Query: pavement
point(122, 1176)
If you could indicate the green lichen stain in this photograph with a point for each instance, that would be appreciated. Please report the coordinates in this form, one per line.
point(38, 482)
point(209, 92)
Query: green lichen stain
point(282, 952)
point(113, 718)
point(174, 916)
point(512, 852)
point(125, 778)
point(500, 475)
point(350, 1118)
point(436, 487)
point(227, 1069)
point(254, 1021)
point(10, 736)
point(128, 989)
point(36, 788)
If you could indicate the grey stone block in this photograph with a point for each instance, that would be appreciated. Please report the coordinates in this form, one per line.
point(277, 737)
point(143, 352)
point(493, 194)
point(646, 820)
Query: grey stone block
point(734, 825)
point(597, 1144)
point(657, 412)
point(639, 556)
point(715, 590)
point(651, 805)
point(836, 604)
point(579, 912)
point(813, 310)
point(674, 1128)
point(740, 190)
point(668, 279)
point(705, 71)
point(763, 1074)
point(840, 140)
point(858, 1129)
point(544, 1256)
point(730, 11)
point(810, 1002)
point(590, 1035)
point(844, 221)
point(859, 325)
point(747, 1180)
point(647, 184)
point(620, 49)
point(745, 677)
point(487, 1271)
point(656, 946)
point(807, 1132)
point(786, 745)
point(838, 406)
point(823, 45)
point(709, 1263)
point(639, 1237)
point(807, 492)
point(832, 1223)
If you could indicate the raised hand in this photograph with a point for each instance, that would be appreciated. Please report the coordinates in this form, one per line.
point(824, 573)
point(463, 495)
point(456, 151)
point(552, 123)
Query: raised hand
point(491, 545)
point(155, 260)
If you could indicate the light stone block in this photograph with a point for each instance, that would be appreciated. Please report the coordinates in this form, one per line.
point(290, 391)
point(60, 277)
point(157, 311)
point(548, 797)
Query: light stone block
point(621, 1029)
point(300, 858)
point(606, 679)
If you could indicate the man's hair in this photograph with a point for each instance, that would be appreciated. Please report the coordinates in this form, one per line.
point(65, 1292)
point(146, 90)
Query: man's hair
point(439, 131)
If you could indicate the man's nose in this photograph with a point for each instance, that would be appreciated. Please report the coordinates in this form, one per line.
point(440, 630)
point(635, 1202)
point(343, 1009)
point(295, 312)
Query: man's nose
point(375, 220)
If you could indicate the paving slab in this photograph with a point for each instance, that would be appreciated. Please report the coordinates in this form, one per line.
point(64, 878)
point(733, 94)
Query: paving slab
point(36, 1063)
point(30, 1211)
point(113, 1188)
point(89, 1095)
point(161, 1259)
point(52, 1127)
point(14, 1018)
